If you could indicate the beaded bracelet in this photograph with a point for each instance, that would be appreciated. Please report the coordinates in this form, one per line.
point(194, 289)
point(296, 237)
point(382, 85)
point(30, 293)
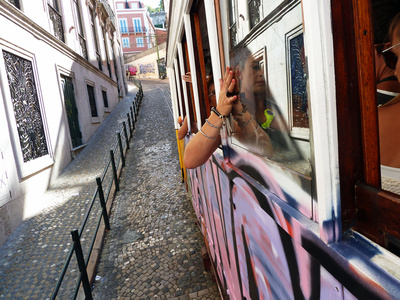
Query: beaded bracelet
point(243, 110)
point(212, 125)
point(247, 123)
point(209, 137)
point(256, 128)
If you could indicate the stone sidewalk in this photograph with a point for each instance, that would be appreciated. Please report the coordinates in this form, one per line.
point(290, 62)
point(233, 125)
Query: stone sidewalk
point(153, 248)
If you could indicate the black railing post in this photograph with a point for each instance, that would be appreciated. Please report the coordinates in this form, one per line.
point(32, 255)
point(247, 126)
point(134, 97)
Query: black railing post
point(114, 170)
point(135, 109)
point(81, 264)
point(133, 121)
point(121, 149)
point(103, 203)
point(129, 121)
point(126, 133)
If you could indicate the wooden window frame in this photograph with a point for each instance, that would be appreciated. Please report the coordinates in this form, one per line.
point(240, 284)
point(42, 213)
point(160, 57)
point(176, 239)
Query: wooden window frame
point(205, 109)
point(365, 207)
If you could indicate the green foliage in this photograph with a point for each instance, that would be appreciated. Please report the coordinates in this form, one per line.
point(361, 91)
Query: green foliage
point(159, 8)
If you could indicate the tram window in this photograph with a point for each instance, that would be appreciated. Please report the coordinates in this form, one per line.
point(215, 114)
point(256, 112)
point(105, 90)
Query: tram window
point(189, 88)
point(272, 75)
point(388, 88)
point(365, 206)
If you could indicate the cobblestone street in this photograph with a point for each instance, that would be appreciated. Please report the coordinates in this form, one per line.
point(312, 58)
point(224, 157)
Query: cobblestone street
point(153, 250)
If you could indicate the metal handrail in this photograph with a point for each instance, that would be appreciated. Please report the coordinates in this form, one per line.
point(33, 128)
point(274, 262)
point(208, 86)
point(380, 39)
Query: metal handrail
point(120, 146)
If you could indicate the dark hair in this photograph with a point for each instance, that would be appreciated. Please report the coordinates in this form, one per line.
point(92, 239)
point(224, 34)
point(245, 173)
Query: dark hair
point(394, 26)
point(210, 80)
point(383, 12)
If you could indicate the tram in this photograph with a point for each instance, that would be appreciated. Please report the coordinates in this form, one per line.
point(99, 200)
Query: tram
point(319, 219)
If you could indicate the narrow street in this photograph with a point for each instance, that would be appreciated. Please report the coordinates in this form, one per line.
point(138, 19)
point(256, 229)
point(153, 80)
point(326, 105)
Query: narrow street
point(153, 248)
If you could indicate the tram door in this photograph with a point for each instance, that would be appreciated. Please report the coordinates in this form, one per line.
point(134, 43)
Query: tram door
point(72, 111)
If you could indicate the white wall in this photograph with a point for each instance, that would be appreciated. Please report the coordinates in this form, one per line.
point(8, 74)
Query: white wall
point(24, 183)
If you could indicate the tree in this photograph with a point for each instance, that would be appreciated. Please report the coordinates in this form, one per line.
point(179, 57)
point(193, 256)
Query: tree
point(159, 8)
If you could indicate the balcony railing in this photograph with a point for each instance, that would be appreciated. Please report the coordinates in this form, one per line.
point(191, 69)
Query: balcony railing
point(56, 20)
point(134, 29)
point(82, 43)
point(107, 8)
point(98, 57)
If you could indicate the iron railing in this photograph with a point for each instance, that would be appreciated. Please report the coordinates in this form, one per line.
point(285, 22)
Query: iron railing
point(119, 151)
point(128, 29)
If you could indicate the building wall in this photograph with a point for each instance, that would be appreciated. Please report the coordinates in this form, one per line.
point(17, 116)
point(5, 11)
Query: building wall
point(146, 62)
point(134, 41)
point(27, 35)
point(161, 35)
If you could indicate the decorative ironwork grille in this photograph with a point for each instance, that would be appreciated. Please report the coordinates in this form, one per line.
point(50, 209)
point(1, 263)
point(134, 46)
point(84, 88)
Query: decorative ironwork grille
point(98, 57)
point(232, 23)
point(56, 20)
point(299, 82)
point(92, 101)
point(26, 106)
point(106, 50)
point(82, 42)
point(105, 100)
point(254, 10)
point(96, 43)
point(233, 32)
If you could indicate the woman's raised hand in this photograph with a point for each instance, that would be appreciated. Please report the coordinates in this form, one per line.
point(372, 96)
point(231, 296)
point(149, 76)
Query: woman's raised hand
point(225, 102)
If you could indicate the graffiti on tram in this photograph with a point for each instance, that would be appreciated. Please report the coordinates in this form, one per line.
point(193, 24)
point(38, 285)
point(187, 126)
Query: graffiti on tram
point(250, 239)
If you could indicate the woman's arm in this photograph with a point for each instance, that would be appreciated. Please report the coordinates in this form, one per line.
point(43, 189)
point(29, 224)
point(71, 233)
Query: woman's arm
point(203, 144)
point(207, 140)
point(183, 130)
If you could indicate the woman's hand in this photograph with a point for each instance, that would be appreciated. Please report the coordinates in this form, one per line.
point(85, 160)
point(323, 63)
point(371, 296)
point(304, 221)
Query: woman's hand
point(187, 77)
point(225, 103)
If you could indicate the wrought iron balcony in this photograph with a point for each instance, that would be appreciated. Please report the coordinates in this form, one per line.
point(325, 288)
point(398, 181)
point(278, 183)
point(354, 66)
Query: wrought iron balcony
point(103, 5)
point(133, 29)
point(82, 43)
point(56, 20)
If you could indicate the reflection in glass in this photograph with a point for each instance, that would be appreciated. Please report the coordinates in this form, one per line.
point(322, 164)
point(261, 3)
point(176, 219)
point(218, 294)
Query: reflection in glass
point(299, 82)
point(254, 93)
point(254, 10)
point(232, 23)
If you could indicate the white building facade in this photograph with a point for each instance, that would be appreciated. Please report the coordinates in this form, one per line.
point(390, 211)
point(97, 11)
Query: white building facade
point(61, 73)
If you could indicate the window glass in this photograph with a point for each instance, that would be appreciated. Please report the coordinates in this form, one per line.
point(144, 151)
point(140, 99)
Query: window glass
point(139, 42)
point(123, 26)
point(105, 100)
point(388, 89)
point(272, 71)
point(92, 101)
point(15, 3)
point(137, 25)
point(125, 43)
